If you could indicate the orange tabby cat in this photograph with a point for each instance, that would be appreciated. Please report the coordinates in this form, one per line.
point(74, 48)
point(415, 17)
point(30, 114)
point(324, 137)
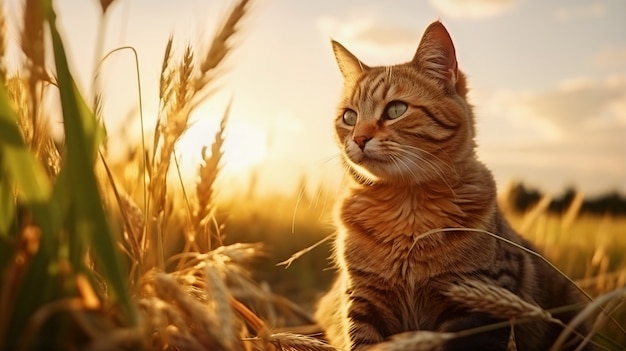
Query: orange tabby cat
point(407, 136)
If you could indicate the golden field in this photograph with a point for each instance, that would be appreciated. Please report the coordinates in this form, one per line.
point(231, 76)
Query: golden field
point(103, 253)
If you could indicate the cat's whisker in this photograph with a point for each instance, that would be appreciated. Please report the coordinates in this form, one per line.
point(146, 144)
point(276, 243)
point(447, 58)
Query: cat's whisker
point(403, 169)
point(410, 170)
point(440, 161)
point(434, 166)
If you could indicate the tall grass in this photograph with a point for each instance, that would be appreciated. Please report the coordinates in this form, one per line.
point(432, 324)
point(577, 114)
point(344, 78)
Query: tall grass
point(105, 254)
point(57, 215)
point(88, 261)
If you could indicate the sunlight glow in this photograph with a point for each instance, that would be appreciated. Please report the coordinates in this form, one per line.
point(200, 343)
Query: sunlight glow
point(245, 146)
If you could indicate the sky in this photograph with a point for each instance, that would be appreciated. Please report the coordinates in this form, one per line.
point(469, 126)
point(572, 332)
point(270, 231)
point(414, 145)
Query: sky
point(547, 80)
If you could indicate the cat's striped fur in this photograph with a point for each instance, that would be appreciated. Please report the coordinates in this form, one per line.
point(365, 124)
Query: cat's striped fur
point(407, 136)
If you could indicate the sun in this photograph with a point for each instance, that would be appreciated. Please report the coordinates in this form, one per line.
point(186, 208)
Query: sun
point(245, 147)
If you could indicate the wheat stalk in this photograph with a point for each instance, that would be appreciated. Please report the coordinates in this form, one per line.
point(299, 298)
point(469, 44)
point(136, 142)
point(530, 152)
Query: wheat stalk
point(33, 47)
point(188, 92)
point(512, 344)
point(165, 324)
point(3, 43)
point(31, 41)
point(165, 78)
point(207, 174)
point(494, 300)
point(19, 97)
point(220, 298)
point(302, 252)
point(234, 254)
point(34, 130)
point(171, 128)
point(203, 325)
point(209, 170)
point(183, 91)
point(294, 342)
point(104, 5)
point(220, 48)
point(596, 304)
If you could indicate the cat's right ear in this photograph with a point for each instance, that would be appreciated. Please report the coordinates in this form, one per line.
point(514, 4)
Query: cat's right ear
point(350, 66)
point(436, 55)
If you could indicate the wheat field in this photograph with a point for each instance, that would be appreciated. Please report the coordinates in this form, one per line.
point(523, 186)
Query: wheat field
point(103, 253)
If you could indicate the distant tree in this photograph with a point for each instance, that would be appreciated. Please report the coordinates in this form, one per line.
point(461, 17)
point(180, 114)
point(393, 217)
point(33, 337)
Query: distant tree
point(613, 204)
point(522, 199)
point(560, 204)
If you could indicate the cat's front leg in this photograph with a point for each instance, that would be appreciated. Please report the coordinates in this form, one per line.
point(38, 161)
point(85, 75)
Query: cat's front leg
point(370, 317)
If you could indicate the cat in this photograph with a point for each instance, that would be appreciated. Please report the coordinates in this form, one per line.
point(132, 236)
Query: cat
point(407, 138)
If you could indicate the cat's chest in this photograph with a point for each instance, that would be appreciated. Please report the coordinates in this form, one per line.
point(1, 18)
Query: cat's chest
point(379, 235)
point(392, 215)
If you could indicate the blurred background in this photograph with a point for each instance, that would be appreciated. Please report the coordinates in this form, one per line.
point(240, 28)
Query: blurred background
point(548, 81)
point(547, 78)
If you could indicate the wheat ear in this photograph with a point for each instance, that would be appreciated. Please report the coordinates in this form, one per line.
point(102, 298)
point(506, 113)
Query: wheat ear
point(207, 174)
point(168, 289)
point(293, 342)
point(31, 41)
point(494, 300)
point(546, 261)
point(220, 297)
point(220, 48)
point(166, 79)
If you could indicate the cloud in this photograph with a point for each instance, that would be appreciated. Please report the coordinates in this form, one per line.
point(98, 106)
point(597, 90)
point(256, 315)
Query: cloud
point(373, 41)
point(369, 31)
point(572, 134)
point(388, 35)
point(610, 57)
point(473, 9)
point(582, 105)
point(503, 116)
point(580, 12)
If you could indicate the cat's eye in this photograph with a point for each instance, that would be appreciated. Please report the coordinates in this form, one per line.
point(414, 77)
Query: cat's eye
point(349, 117)
point(395, 109)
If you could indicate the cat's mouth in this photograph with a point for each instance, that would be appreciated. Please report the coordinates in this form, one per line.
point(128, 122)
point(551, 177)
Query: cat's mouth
point(370, 160)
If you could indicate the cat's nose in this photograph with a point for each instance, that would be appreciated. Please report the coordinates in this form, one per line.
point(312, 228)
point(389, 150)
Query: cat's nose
point(361, 140)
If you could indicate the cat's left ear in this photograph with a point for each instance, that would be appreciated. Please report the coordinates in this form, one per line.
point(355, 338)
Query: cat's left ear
point(350, 66)
point(436, 55)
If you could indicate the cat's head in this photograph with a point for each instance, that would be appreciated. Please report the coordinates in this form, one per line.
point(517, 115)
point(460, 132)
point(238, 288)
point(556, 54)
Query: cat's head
point(409, 122)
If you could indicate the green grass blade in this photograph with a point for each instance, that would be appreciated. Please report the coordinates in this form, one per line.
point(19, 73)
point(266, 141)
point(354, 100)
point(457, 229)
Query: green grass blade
point(81, 137)
point(7, 205)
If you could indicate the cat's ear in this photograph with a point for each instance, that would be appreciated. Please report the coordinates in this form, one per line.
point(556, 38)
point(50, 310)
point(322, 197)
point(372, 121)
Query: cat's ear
point(436, 56)
point(350, 66)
